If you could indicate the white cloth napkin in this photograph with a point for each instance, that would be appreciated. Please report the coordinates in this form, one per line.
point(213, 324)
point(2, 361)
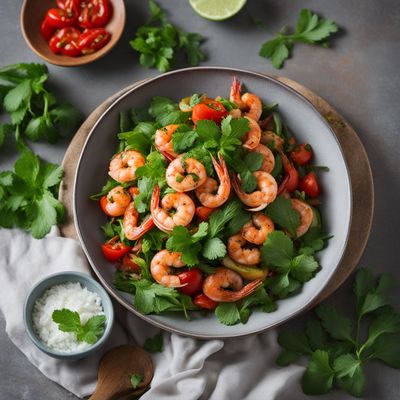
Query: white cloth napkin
point(187, 369)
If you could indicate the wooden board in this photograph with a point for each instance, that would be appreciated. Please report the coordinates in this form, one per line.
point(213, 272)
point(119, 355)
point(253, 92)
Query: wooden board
point(356, 158)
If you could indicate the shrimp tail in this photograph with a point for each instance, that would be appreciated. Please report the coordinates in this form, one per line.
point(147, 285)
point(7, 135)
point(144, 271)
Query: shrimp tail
point(250, 288)
point(154, 204)
point(168, 156)
point(235, 184)
point(139, 231)
point(236, 88)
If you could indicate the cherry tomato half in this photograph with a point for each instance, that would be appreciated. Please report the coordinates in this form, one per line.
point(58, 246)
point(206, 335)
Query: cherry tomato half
point(47, 30)
point(114, 250)
point(128, 264)
point(68, 4)
point(193, 281)
point(65, 41)
point(301, 154)
point(92, 40)
point(202, 301)
point(209, 109)
point(203, 213)
point(309, 184)
point(59, 18)
point(94, 13)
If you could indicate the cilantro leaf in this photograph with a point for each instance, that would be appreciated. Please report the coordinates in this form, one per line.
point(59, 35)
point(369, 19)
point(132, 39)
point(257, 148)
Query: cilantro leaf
point(302, 267)
point(388, 322)
point(135, 380)
point(67, 320)
point(92, 330)
point(227, 313)
point(221, 217)
point(183, 139)
point(318, 378)
point(355, 383)
point(214, 248)
point(283, 214)
point(310, 29)
point(346, 365)
point(208, 130)
point(294, 342)
point(317, 336)
point(287, 357)
point(387, 349)
point(190, 42)
point(277, 251)
point(140, 137)
point(142, 200)
point(154, 344)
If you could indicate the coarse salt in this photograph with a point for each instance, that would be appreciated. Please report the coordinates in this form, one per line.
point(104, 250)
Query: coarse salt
point(70, 295)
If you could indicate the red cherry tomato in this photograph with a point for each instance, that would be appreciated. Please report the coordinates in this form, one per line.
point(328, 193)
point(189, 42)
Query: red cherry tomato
point(301, 154)
point(92, 40)
point(209, 109)
point(114, 250)
point(128, 264)
point(59, 18)
point(94, 13)
point(202, 301)
point(65, 41)
point(291, 180)
point(47, 30)
point(203, 213)
point(193, 281)
point(309, 185)
point(67, 4)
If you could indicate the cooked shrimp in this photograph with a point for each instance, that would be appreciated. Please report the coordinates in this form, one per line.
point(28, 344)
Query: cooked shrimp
point(236, 113)
point(133, 191)
point(162, 265)
point(209, 193)
point(268, 163)
point(185, 175)
point(268, 137)
point(248, 102)
point(181, 203)
point(238, 251)
point(257, 229)
point(252, 138)
point(124, 165)
point(163, 139)
point(130, 220)
point(118, 200)
point(306, 216)
point(259, 199)
point(226, 286)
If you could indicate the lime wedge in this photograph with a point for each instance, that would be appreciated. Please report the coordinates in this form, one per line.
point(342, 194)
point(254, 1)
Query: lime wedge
point(217, 10)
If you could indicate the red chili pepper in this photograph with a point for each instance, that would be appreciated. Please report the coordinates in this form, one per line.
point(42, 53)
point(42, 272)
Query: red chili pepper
point(61, 18)
point(92, 40)
point(94, 13)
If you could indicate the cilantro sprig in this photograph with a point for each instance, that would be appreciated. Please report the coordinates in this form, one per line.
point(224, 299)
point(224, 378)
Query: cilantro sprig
point(34, 112)
point(335, 346)
point(69, 321)
point(28, 195)
point(310, 29)
point(158, 42)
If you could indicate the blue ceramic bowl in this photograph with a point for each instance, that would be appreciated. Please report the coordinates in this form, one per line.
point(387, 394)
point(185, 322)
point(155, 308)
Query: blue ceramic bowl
point(60, 278)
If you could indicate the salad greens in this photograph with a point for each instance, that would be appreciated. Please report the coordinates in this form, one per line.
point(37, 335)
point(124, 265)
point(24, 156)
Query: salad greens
point(289, 261)
point(338, 348)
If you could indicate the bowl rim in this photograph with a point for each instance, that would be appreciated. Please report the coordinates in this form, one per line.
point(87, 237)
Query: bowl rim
point(28, 316)
point(115, 293)
point(72, 61)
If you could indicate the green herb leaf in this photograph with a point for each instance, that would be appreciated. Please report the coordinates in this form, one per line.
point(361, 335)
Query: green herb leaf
point(67, 320)
point(277, 251)
point(135, 379)
point(294, 342)
point(214, 248)
point(318, 378)
point(154, 344)
point(338, 326)
point(354, 384)
point(220, 218)
point(283, 214)
point(227, 313)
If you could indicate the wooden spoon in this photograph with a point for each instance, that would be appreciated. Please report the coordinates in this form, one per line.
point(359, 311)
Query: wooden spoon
point(32, 15)
point(115, 370)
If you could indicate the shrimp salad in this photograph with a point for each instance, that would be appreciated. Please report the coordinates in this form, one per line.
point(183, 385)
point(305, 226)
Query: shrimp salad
point(212, 205)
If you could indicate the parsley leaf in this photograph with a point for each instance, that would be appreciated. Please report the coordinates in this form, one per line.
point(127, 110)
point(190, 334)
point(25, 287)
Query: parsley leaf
point(29, 195)
point(158, 42)
point(182, 241)
point(69, 321)
point(154, 344)
point(283, 214)
point(310, 29)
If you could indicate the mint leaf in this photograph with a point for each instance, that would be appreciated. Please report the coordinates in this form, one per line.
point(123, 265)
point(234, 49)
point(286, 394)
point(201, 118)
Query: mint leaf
point(283, 214)
point(338, 326)
point(227, 313)
point(318, 378)
point(67, 320)
point(154, 344)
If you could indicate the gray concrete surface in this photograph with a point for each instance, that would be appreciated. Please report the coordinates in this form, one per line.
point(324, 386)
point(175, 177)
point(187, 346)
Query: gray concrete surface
point(359, 75)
